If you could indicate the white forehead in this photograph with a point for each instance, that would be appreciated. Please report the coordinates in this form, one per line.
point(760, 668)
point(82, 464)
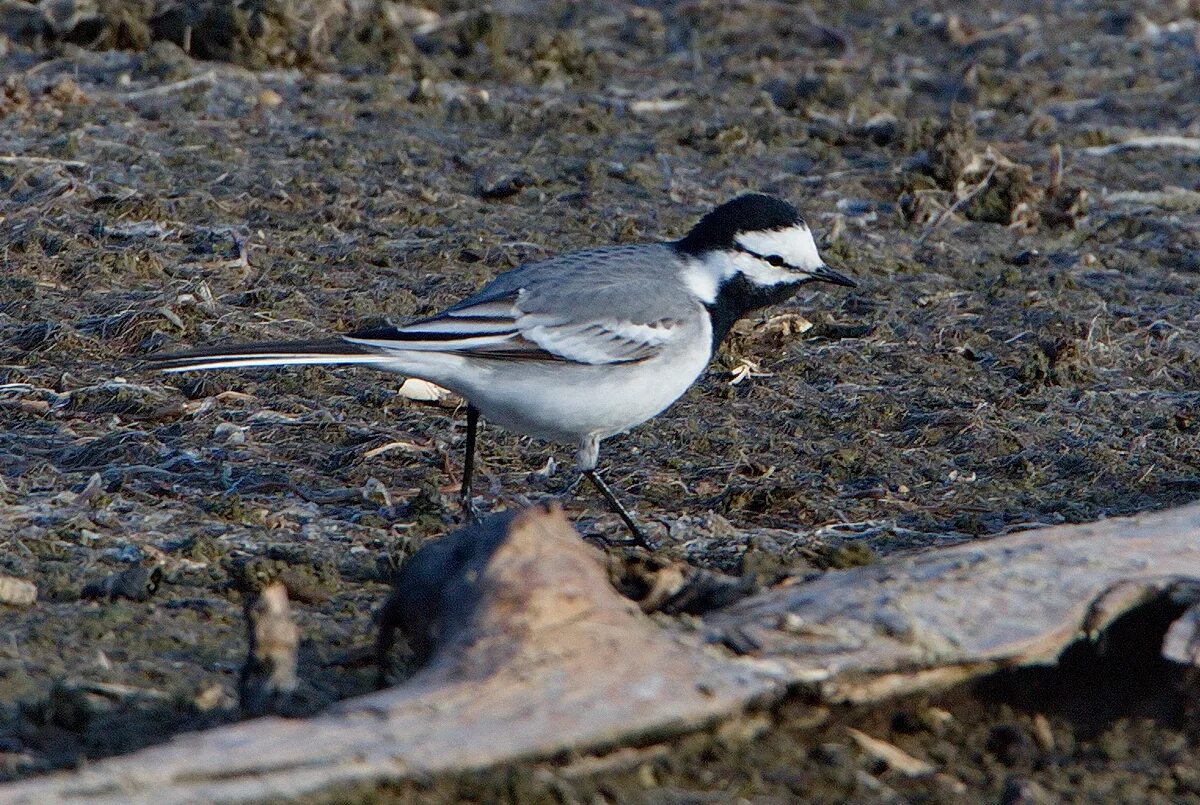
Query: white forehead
point(794, 244)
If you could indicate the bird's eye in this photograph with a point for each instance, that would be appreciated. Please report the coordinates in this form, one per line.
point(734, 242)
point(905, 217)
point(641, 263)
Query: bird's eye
point(776, 261)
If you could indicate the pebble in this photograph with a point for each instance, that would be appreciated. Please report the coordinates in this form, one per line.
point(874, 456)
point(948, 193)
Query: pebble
point(882, 128)
point(135, 584)
point(375, 492)
point(269, 99)
point(17, 592)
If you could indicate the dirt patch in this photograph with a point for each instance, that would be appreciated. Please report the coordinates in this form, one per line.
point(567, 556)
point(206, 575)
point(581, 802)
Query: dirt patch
point(1010, 358)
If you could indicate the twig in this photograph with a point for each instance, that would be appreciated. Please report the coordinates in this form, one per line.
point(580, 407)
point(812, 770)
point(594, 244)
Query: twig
point(1172, 198)
point(16, 159)
point(657, 106)
point(975, 191)
point(178, 86)
point(892, 755)
point(819, 177)
point(119, 692)
point(1054, 184)
point(407, 447)
point(1151, 141)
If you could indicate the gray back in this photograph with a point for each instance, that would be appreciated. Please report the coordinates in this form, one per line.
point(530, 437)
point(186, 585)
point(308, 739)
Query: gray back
point(640, 284)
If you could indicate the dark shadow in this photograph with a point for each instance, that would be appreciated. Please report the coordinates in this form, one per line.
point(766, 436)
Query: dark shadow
point(1120, 674)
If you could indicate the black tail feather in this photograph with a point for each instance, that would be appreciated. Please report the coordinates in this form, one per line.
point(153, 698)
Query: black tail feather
point(265, 353)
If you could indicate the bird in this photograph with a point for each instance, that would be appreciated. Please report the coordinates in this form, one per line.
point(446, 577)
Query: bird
point(581, 346)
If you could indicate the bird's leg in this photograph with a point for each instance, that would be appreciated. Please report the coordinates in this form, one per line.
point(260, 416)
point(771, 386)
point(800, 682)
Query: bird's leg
point(635, 531)
point(464, 495)
point(588, 457)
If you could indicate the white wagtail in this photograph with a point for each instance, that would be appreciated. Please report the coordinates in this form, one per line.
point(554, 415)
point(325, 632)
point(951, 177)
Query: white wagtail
point(585, 345)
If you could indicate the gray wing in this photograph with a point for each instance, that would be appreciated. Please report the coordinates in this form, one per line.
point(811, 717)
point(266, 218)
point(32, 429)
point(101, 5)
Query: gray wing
point(600, 306)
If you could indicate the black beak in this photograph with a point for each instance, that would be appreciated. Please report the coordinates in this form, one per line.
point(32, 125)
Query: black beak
point(827, 274)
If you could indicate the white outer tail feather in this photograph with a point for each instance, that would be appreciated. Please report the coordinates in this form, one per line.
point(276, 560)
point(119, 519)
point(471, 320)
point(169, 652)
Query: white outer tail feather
point(295, 359)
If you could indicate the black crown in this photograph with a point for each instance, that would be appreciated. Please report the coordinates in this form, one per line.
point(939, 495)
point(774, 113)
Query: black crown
point(752, 212)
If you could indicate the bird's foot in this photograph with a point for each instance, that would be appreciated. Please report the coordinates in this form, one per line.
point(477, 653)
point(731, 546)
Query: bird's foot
point(637, 536)
point(471, 513)
point(639, 541)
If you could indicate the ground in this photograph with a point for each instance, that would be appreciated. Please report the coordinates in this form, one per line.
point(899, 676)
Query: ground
point(1023, 347)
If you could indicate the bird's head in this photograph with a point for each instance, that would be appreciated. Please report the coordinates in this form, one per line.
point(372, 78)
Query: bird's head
point(758, 241)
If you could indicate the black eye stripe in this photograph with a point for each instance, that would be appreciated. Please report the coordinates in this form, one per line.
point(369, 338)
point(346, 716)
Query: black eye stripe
point(773, 259)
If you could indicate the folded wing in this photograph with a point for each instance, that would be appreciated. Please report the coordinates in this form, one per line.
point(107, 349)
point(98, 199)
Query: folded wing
point(499, 329)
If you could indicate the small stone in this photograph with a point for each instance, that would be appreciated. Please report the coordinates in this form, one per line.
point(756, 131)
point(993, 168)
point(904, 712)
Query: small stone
point(229, 433)
point(209, 698)
point(935, 719)
point(425, 91)
point(742, 731)
point(1011, 745)
point(791, 622)
point(66, 91)
point(419, 390)
point(1114, 744)
point(882, 128)
point(135, 583)
point(17, 592)
point(1019, 791)
point(269, 99)
point(952, 785)
point(496, 184)
point(375, 492)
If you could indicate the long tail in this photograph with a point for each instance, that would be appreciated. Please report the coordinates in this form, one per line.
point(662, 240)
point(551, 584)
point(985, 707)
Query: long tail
point(266, 353)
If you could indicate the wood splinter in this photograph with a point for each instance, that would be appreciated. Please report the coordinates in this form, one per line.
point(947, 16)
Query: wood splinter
point(269, 678)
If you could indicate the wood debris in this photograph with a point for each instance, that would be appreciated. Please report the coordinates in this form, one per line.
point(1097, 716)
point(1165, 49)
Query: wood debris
point(269, 677)
point(1148, 141)
point(895, 757)
point(531, 653)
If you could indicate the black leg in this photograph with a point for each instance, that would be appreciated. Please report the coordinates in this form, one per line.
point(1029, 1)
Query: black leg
point(464, 494)
point(638, 537)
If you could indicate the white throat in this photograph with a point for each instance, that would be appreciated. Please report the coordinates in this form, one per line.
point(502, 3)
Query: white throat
point(704, 276)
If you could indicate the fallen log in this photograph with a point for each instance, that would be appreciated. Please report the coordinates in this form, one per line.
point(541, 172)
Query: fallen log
point(938, 617)
point(543, 657)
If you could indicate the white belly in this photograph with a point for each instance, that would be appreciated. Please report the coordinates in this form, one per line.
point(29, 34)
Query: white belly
point(563, 402)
